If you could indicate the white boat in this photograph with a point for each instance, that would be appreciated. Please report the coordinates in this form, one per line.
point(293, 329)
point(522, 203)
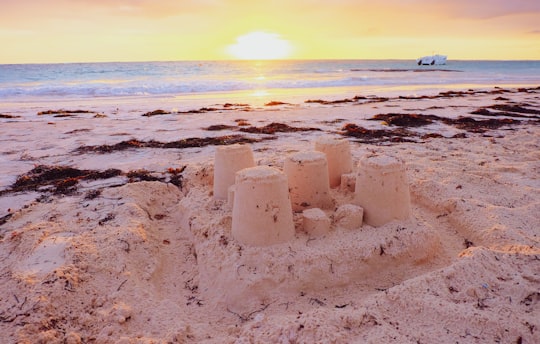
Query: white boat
point(431, 60)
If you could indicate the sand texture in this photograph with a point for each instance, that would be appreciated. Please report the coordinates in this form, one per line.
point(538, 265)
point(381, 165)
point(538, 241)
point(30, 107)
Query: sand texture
point(129, 245)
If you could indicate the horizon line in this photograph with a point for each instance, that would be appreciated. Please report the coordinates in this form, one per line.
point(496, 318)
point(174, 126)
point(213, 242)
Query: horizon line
point(262, 60)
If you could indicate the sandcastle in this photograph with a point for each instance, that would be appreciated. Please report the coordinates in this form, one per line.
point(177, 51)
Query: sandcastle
point(255, 247)
point(382, 189)
point(338, 155)
point(264, 198)
point(262, 213)
point(229, 160)
point(307, 173)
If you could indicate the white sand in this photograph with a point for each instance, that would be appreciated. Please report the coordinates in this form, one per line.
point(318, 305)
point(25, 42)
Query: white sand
point(148, 262)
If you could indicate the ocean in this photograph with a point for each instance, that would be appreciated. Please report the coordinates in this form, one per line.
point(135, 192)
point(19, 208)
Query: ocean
point(209, 81)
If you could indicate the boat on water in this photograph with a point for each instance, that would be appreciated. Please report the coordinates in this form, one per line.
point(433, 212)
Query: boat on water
point(431, 60)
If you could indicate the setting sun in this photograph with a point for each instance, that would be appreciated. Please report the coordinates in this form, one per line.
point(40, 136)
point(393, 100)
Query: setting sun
point(260, 46)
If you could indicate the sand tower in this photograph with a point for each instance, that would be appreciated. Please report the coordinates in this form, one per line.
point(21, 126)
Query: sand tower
point(338, 155)
point(309, 187)
point(262, 213)
point(382, 189)
point(229, 160)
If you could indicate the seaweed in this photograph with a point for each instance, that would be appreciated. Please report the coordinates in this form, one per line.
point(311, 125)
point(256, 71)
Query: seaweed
point(45, 175)
point(176, 176)
point(376, 135)
point(201, 110)
point(228, 105)
point(92, 194)
point(405, 119)
point(207, 141)
point(158, 112)
point(328, 102)
point(514, 108)
point(61, 179)
point(346, 100)
point(453, 94)
point(109, 217)
point(111, 148)
point(417, 120)
point(276, 103)
point(274, 127)
point(479, 126)
point(62, 113)
point(508, 110)
point(217, 127)
point(431, 136)
point(75, 131)
point(242, 122)
point(5, 219)
point(142, 175)
point(2, 115)
point(180, 144)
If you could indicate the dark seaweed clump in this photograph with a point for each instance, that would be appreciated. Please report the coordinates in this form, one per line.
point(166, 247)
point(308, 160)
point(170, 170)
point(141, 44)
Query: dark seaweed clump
point(59, 179)
point(63, 113)
point(185, 143)
point(142, 175)
point(5, 219)
point(465, 123)
point(405, 119)
point(64, 180)
point(276, 103)
point(217, 127)
point(443, 94)
point(173, 176)
point(156, 113)
point(2, 115)
point(224, 107)
point(273, 128)
point(354, 99)
point(480, 126)
point(508, 110)
point(376, 135)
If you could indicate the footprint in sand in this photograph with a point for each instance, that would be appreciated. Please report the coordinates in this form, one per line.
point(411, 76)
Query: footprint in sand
point(47, 256)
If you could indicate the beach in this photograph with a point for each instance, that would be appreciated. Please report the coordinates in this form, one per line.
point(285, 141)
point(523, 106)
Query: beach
point(109, 231)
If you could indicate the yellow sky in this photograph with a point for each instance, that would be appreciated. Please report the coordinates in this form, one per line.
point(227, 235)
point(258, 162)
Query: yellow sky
point(141, 30)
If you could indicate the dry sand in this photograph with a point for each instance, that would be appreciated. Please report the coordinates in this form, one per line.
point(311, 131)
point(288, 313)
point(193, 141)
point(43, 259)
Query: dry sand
point(127, 260)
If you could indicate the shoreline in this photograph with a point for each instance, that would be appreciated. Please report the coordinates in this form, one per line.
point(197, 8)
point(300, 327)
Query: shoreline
point(28, 106)
point(109, 232)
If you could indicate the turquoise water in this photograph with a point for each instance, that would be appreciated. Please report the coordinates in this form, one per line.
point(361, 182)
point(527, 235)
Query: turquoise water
point(92, 80)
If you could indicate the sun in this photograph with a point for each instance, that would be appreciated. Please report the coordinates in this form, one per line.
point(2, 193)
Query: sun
point(260, 46)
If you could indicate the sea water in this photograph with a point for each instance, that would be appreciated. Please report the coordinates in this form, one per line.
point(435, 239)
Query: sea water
point(244, 81)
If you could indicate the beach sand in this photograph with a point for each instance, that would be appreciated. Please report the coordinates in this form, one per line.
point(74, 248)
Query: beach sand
point(109, 232)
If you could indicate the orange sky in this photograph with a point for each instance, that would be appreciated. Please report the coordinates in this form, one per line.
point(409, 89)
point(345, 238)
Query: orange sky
point(140, 30)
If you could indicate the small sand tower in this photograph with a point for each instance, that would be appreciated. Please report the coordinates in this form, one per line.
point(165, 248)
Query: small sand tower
point(307, 173)
point(382, 189)
point(229, 160)
point(262, 213)
point(338, 155)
